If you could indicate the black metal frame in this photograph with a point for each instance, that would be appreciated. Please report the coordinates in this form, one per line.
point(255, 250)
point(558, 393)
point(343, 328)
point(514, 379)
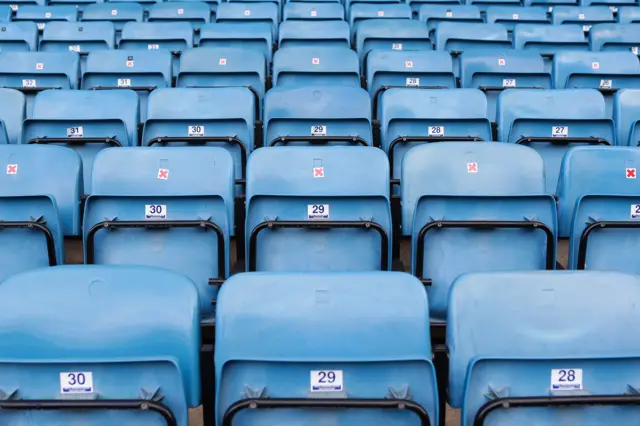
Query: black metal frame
point(372, 404)
point(562, 140)
point(481, 224)
point(138, 88)
point(75, 141)
point(319, 140)
point(94, 404)
point(584, 237)
point(32, 90)
point(204, 139)
point(551, 401)
point(319, 224)
point(51, 245)
point(501, 88)
point(159, 224)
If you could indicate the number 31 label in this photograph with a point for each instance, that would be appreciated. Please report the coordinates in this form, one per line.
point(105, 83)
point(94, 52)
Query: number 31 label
point(326, 381)
point(80, 382)
point(566, 379)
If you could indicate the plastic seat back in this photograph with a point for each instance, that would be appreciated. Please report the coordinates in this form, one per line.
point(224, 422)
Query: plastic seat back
point(355, 363)
point(318, 209)
point(118, 13)
point(184, 196)
point(509, 16)
point(363, 11)
point(628, 15)
point(391, 34)
point(20, 36)
point(314, 34)
point(318, 66)
point(250, 13)
point(304, 11)
point(256, 37)
point(547, 40)
point(5, 13)
point(196, 13)
point(87, 121)
point(81, 37)
point(433, 14)
point(43, 14)
point(145, 353)
point(626, 110)
point(585, 16)
point(624, 37)
point(12, 113)
point(507, 346)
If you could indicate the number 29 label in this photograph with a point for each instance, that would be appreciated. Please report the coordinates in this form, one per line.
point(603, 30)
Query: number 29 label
point(318, 211)
point(566, 379)
point(326, 381)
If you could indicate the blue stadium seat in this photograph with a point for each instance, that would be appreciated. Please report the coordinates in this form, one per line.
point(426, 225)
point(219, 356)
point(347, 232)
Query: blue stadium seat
point(313, 11)
point(417, 4)
point(5, 13)
point(529, 348)
point(146, 4)
point(599, 202)
point(550, 4)
point(40, 190)
point(474, 207)
point(222, 67)
point(629, 15)
point(20, 36)
point(314, 33)
point(403, 68)
point(33, 72)
point(361, 11)
point(213, 5)
point(551, 122)
point(310, 116)
point(604, 71)
point(626, 113)
point(613, 5)
point(625, 37)
point(165, 207)
point(222, 117)
point(484, 4)
point(196, 13)
point(117, 13)
point(433, 14)
point(256, 37)
point(412, 117)
point(79, 4)
point(139, 70)
point(493, 72)
point(43, 14)
point(12, 114)
point(318, 209)
point(87, 121)
point(585, 16)
point(391, 34)
point(509, 16)
point(316, 66)
point(547, 40)
point(397, 377)
point(140, 365)
point(250, 13)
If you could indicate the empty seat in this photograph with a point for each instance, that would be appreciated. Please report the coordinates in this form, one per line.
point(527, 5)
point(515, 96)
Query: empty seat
point(250, 13)
point(493, 72)
point(474, 207)
point(79, 4)
point(5, 13)
point(314, 33)
point(503, 372)
point(549, 39)
point(605, 71)
point(19, 36)
point(344, 307)
point(629, 15)
point(196, 13)
point(551, 122)
point(585, 16)
point(599, 202)
point(166, 207)
point(142, 367)
point(87, 121)
point(412, 117)
point(256, 37)
point(222, 117)
point(485, 4)
point(361, 11)
point(308, 116)
point(316, 66)
point(391, 34)
point(43, 14)
point(40, 188)
point(173, 36)
point(318, 209)
point(139, 70)
point(416, 4)
point(12, 114)
point(433, 14)
point(408, 68)
point(509, 16)
point(550, 4)
point(625, 37)
point(313, 11)
point(118, 13)
point(613, 5)
point(626, 113)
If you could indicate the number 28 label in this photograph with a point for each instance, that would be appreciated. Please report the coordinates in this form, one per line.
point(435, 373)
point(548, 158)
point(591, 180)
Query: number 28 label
point(436, 130)
point(566, 379)
point(326, 381)
point(76, 382)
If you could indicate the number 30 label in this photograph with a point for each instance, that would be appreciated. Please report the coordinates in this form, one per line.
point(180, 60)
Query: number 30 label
point(155, 211)
point(566, 379)
point(76, 382)
point(326, 381)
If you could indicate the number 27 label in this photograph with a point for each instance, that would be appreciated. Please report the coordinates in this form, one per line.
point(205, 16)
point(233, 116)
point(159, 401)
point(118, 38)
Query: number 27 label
point(326, 381)
point(566, 379)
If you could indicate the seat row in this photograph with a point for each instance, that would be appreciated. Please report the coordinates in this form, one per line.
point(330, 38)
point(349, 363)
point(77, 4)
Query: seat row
point(143, 365)
point(466, 207)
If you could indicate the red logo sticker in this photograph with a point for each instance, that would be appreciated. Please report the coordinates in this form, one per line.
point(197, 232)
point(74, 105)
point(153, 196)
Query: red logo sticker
point(222, 61)
point(163, 174)
point(39, 66)
point(318, 172)
point(631, 173)
point(472, 167)
point(408, 64)
point(12, 169)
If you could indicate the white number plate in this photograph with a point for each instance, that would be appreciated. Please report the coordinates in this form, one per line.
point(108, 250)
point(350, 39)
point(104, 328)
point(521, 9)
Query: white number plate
point(396, 46)
point(559, 131)
point(155, 211)
point(508, 82)
point(75, 132)
point(635, 211)
point(40, 25)
point(413, 81)
point(606, 84)
point(318, 211)
point(566, 379)
point(436, 130)
point(318, 130)
point(29, 84)
point(124, 82)
point(196, 130)
point(153, 47)
point(74, 48)
point(76, 382)
point(326, 381)
point(586, 28)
